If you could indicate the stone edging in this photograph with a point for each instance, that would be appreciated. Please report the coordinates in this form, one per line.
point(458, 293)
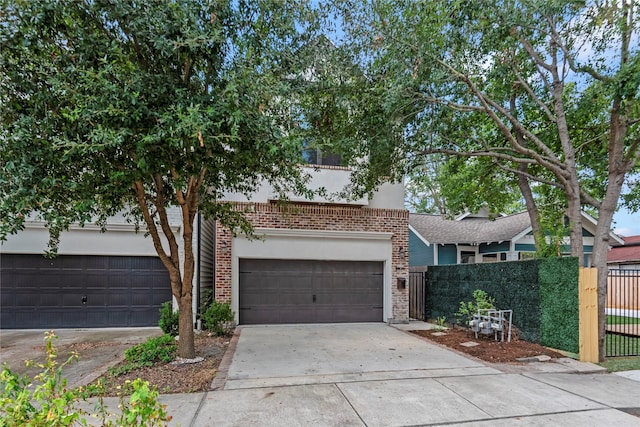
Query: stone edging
point(220, 379)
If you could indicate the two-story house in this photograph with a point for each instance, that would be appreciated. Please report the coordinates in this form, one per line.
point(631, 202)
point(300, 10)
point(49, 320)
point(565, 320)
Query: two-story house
point(321, 260)
point(324, 260)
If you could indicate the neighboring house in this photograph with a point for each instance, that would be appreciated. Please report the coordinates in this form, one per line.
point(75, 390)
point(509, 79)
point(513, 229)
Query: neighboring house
point(98, 279)
point(625, 257)
point(476, 238)
point(317, 261)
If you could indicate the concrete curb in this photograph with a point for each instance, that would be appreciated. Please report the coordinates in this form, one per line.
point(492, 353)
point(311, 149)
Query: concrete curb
point(220, 379)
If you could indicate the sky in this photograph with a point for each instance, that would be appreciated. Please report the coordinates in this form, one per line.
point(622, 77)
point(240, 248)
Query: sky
point(626, 223)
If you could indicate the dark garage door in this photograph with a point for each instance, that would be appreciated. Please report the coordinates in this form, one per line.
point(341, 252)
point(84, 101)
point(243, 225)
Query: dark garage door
point(294, 291)
point(81, 291)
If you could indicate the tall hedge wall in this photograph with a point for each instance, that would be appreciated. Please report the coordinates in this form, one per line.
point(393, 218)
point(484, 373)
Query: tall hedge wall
point(543, 295)
point(559, 321)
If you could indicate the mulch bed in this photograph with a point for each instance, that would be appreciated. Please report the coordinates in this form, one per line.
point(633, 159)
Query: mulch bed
point(171, 378)
point(488, 349)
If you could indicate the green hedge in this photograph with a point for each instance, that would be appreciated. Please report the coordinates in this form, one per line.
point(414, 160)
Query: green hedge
point(542, 294)
point(559, 321)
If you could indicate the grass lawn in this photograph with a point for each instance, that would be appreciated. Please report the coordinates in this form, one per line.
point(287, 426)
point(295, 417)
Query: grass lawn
point(621, 320)
point(619, 345)
point(615, 364)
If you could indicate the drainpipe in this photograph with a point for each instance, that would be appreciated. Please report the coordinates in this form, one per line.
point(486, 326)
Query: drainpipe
point(199, 250)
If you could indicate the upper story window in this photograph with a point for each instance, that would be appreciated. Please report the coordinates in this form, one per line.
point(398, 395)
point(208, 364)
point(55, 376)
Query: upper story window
point(317, 156)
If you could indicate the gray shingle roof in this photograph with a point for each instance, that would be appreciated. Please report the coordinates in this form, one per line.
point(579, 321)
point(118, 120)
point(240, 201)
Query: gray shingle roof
point(437, 229)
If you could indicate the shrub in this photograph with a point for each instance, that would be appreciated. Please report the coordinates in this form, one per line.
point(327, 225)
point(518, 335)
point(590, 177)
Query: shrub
point(148, 353)
point(216, 315)
point(482, 301)
point(50, 403)
point(153, 350)
point(169, 319)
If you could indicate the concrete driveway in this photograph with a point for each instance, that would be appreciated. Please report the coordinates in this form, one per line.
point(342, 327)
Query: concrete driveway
point(97, 348)
point(320, 354)
point(376, 375)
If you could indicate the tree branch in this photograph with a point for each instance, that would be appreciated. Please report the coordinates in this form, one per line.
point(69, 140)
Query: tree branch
point(138, 189)
point(533, 95)
point(589, 199)
point(528, 175)
point(483, 153)
point(164, 220)
point(549, 160)
point(572, 64)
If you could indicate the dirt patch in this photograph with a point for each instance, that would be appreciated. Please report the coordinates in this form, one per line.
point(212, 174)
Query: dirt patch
point(172, 378)
point(488, 349)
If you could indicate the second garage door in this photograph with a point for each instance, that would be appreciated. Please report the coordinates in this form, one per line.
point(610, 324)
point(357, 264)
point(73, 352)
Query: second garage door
point(73, 291)
point(303, 291)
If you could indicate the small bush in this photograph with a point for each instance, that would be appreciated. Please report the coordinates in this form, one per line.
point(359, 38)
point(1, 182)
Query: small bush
point(51, 403)
point(216, 315)
point(153, 350)
point(169, 319)
point(148, 353)
point(482, 301)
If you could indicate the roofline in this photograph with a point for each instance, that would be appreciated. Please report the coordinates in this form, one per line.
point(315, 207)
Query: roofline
point(417, 233)
point(521, 234)
point(594, 222)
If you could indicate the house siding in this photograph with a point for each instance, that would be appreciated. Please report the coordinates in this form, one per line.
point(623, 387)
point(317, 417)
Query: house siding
point(420, 254)
point(485, 248)
point(447, 254)
point(520, 247)
point(205, 262)
point(323, 218)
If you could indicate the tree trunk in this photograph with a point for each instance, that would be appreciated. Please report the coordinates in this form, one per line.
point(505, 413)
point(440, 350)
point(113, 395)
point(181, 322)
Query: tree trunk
point(532, 208)
point(601, 249)
point(186, 347)
point(574, 213)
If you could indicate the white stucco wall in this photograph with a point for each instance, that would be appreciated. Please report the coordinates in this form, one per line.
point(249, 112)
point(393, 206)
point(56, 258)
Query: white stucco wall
point(120, 238)
point(314, 245)
point(333, 181)
point(388, 196)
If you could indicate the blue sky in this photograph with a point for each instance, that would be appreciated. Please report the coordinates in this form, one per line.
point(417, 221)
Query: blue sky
point(626, 223)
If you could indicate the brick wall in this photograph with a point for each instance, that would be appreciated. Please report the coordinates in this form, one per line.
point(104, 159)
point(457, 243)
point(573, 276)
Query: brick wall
point(320, 217)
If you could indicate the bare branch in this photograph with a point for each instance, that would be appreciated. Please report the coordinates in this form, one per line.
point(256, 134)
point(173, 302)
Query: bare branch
point(179, 193)
point(534, 55)
point(533, 95)
point(453, 105)
point(548, 161)
point(572, 64)
point(528, 175)
point(482, 153)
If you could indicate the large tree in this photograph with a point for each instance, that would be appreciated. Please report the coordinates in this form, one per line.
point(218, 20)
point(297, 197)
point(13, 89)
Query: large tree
point(109, 106)
point(548, 90)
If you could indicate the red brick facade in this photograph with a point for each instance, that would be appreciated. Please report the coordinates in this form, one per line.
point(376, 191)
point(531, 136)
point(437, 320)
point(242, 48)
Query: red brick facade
point(323, 217)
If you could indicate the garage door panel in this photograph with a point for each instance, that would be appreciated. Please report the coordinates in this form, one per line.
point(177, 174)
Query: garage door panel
point(95, 315)
point(22, 299)
point(308, 291)
point(119, 317)
point(48, 293)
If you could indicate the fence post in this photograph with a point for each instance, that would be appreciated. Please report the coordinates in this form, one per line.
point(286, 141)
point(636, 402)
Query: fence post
point(588, 300)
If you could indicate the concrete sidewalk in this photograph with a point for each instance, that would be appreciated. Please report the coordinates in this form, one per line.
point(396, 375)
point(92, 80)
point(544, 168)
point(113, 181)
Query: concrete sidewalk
point(375, 375)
